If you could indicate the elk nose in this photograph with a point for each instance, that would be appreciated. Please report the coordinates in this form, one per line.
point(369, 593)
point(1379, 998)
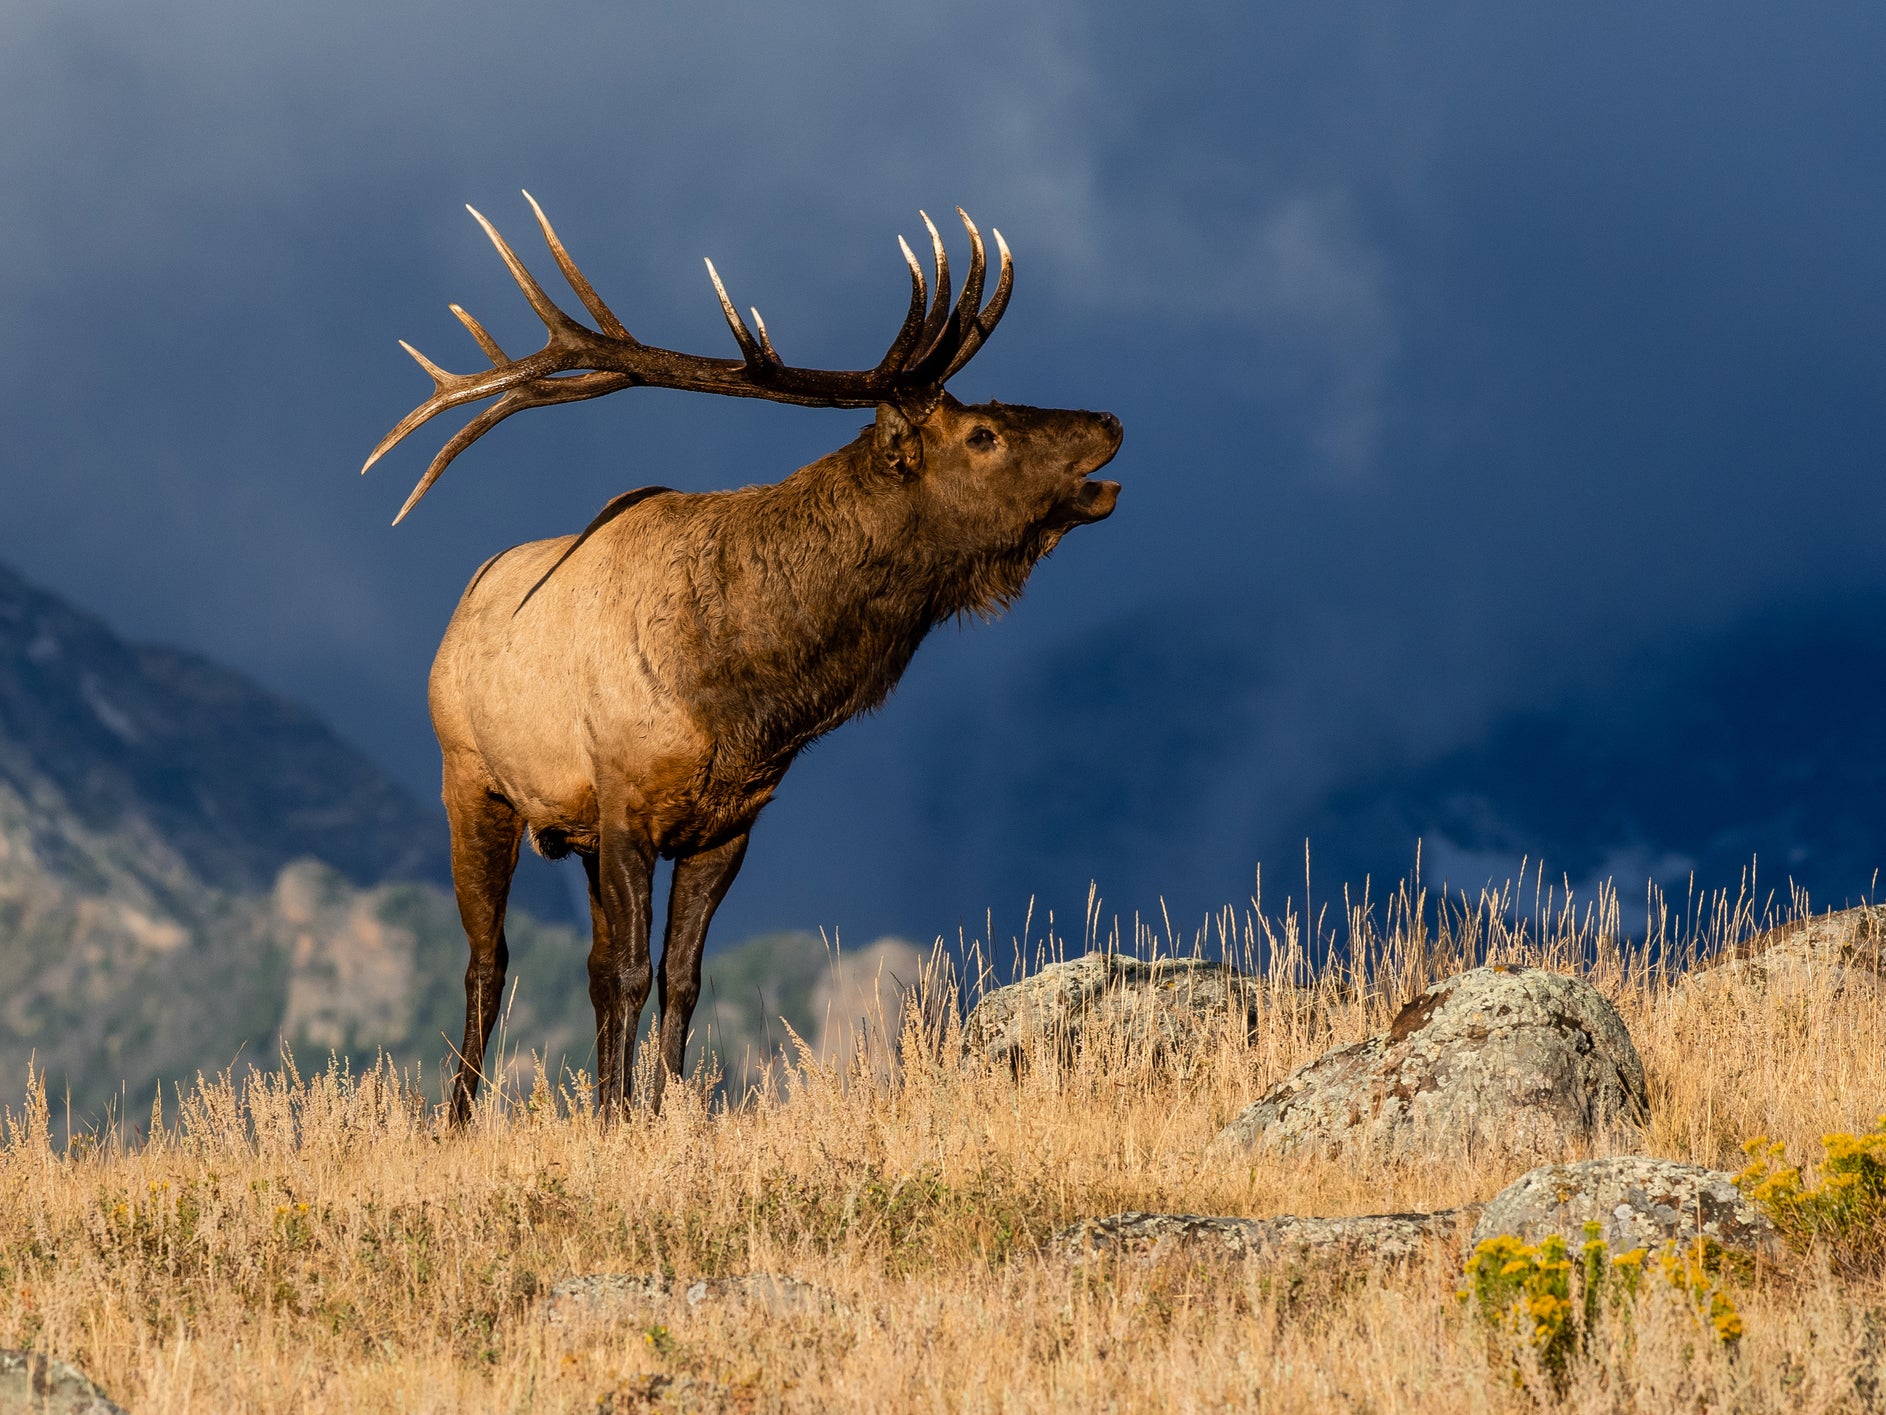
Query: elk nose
point(1110, 425)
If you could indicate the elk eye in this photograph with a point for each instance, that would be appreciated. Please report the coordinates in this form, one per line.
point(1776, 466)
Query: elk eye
point(982, 437)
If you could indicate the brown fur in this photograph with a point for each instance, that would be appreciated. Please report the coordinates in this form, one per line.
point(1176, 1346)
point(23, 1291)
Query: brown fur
point(638, 691)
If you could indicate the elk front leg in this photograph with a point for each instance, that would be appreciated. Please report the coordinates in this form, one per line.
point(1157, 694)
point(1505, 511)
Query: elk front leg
point(485, 836)
point(700, 883)
point(621, 880)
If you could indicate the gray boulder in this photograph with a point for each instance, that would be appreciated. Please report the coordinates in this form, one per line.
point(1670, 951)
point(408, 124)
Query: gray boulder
point(1840, 950)
point(1287, 1238)
point(32, 1383)
point(1637, 1203)
point(1162, 1010)
point(1503, 1060)
point(649, 1297)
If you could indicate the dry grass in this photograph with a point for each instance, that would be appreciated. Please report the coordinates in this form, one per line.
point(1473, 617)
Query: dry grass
point(288, 1243)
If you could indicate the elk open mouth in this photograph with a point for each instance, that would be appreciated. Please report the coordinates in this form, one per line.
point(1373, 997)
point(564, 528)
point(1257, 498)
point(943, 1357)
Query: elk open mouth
point(1094, 501)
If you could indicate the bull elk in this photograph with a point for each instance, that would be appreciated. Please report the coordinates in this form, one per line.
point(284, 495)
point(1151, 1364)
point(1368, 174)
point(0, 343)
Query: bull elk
point(637, 691)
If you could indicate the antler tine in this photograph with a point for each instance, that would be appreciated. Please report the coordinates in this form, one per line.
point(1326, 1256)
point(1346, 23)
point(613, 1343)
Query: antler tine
point(578, 282)
point(969, 303)
point(906, 339)
point(938, 316)
point(555, 320)
point(984, 323)
point(449, 390)
point(424, 413)
point(1004, 287)
point(460, 440)
point(481, 334)
point(538, 393)
point(742, 336)
point(766, 345)
point(441, 380)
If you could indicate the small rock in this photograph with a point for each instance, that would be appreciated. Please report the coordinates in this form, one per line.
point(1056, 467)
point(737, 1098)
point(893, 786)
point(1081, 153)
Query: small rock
point(649, 1297)
point(1637, 1203)
point(32, 1383)
point(1165, 1008)
point(1502, 1059)
point(1378, 1237)
point(682, 1395)
point(1843, 950)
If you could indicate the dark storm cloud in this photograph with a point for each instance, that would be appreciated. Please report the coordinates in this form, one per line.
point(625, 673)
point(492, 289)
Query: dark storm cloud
point(1461, 352)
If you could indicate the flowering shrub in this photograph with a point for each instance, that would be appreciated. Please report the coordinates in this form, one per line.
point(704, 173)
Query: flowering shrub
point(1844, 1207)
point(1695, 1270)
point(1538, 1295)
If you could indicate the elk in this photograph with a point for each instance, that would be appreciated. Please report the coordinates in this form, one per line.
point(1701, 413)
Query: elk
point(637, 691)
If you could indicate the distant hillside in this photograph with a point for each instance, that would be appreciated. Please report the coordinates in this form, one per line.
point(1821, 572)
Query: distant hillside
point(1765, 744)
point(120, 756)
point(193, 870)
point(114, 993)
point(1763, 739)
point(154, 918)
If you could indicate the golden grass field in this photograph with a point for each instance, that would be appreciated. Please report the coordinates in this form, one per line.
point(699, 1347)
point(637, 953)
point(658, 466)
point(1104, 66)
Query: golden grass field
point(292, 1242)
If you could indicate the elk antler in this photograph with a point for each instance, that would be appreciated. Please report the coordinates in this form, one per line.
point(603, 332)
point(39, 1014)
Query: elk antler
point(577, 362)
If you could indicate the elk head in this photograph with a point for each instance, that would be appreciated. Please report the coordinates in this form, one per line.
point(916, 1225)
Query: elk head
point(997, 485)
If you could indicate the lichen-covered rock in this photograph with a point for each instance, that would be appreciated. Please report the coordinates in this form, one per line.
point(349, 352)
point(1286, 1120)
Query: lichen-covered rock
point(1636, 1202)
point(32, 1383)
point(1161, 1011)
point(1287, 1238)
point(651, 1297)
point(1840, 950)
point(1503, 1060)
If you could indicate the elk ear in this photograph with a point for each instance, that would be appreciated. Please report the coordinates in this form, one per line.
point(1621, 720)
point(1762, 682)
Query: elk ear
point(899, 441)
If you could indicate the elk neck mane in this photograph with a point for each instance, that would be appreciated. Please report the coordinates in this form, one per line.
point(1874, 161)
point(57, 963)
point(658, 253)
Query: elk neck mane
point(810, 595)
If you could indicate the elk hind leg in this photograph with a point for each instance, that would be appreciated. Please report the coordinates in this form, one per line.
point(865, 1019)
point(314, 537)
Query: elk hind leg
point(700, 882)
point(485, 835)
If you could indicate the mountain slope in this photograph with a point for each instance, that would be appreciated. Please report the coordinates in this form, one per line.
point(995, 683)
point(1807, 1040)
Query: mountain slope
point(194, 871)
point(192, 868)
point(204, 771)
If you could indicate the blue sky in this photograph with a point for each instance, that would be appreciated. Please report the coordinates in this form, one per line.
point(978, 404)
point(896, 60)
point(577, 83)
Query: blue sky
point(1467, 354)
